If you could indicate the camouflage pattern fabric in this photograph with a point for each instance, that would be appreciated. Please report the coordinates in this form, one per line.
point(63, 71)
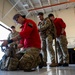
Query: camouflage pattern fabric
point(47, 27)
point(10, 36)
point(9, 53)
point(2, 62)
point(60, 54)
point(30, 59)
point(63, 51)
point(49, 41)
point(13, 64)
point(19, 55)
point(44, 46)
point(9, 64)
point(49, 33)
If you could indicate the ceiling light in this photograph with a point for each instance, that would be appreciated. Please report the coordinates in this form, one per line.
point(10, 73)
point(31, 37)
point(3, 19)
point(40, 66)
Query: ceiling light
point(25, 5)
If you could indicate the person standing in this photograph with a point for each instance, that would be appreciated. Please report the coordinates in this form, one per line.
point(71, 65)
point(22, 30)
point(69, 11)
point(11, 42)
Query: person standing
point(45, 29)
point(61, 40)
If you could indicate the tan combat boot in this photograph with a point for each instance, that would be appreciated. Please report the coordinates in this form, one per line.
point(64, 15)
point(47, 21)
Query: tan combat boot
point(53, 64)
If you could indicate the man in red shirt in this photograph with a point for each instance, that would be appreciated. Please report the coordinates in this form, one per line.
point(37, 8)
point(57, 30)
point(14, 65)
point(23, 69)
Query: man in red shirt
point(30, 40)
point(61, 40)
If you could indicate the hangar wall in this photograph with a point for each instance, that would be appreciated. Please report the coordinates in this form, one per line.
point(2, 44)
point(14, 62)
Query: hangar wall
point(68, 15)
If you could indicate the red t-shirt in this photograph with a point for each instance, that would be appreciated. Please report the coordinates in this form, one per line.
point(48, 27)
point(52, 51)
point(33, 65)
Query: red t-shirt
point(59, 24)
point(30, 35)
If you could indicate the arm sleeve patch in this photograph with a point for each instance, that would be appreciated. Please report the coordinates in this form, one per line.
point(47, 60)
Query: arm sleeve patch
point(30, 25)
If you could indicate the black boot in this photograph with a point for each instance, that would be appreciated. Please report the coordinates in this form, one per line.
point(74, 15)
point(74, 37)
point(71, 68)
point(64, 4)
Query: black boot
point(65, 64)
point(41, 63)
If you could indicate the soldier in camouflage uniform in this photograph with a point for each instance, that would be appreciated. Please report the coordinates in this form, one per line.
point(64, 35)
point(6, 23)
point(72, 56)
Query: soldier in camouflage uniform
point(46, 31)
point(11, 35)
point(9, 60)
point(13, 50)
point(10, 53)
point(61, 40)
point(43, 38)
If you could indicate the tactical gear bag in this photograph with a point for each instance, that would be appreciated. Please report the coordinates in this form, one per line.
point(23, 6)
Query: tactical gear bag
point(9, 60)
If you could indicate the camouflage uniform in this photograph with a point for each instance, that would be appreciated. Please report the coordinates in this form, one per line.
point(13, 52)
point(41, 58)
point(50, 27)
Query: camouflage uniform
point(49, 31)
point(62, 49)
point(61, 41)
point(9, 60)
point(30, 59)
point(10, 36)
point(43, 38)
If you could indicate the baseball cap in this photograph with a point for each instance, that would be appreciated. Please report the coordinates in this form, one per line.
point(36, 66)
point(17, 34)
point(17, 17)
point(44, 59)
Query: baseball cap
point(16, 16)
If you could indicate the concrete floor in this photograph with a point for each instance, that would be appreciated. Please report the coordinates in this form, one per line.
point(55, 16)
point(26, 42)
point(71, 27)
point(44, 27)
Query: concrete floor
point(44, 71)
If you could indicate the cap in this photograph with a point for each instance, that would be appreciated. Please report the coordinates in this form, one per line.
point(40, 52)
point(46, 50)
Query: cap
point(16, 16)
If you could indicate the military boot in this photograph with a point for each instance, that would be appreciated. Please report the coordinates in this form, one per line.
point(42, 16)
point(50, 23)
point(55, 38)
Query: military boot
point(53, 64)
point(44, 64)
point(41, 63)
